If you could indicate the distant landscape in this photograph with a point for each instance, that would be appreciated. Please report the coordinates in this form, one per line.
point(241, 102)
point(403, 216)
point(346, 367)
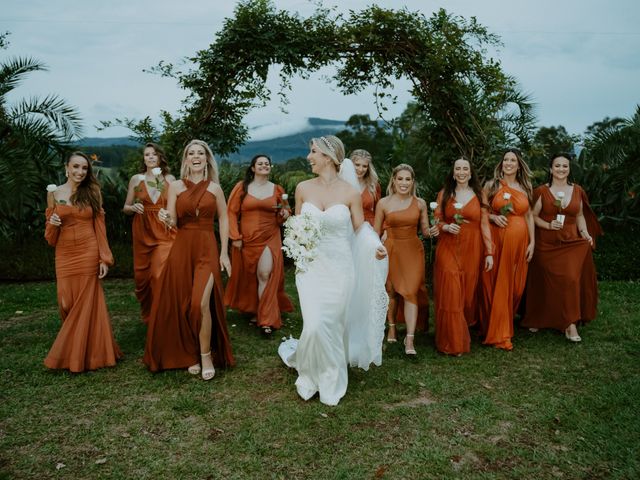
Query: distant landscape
point(112, 151)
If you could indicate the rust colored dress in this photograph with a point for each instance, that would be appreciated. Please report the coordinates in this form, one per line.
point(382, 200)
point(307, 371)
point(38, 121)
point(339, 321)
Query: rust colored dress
point(561, 286)
point(503, 286)
point(257, 223)
point(369, 204)
point(459, 261)
point(407, 263)
point(176, 317)
point(85, 340)
point(151, 245)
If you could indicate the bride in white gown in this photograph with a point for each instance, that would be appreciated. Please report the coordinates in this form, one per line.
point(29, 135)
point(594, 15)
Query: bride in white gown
point(342, 294)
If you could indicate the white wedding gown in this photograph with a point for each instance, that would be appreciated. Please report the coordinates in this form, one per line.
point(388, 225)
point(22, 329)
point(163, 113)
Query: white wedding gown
point(343, 303)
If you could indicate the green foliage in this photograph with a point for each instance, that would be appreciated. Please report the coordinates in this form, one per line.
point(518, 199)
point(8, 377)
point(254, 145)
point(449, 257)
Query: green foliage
point(617, 253)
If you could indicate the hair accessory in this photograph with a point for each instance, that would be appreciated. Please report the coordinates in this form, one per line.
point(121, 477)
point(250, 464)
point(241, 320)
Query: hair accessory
point(328, 144)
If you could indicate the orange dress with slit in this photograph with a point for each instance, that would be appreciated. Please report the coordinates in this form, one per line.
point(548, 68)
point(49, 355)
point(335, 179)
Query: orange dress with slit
point(407, 263)
point(257, 223)
point(85, 340)
point(369, 204)
point(459, 261)
point(561, 286)
point(503, 286)
point(152, 242)
point(176, 317)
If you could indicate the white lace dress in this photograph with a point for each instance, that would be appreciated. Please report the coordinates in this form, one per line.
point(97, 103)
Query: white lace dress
point(343, 303)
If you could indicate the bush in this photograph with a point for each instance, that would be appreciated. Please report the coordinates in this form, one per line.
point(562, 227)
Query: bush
point(617, 253)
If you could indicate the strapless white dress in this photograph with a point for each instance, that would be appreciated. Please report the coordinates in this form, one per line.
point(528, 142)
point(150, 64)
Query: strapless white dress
point(343, 303)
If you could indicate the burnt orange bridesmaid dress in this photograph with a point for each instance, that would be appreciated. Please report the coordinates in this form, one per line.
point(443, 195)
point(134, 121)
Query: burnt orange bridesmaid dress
point(503, 286)
point(407, 263)
point(561, 286)
point(257, 223)
point(369, 204)
point(176, 317)
point(459, 261)
point(85, 340)
point(152, 242)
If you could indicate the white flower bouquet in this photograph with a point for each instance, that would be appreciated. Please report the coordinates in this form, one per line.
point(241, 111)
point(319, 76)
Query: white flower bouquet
point(301, 236)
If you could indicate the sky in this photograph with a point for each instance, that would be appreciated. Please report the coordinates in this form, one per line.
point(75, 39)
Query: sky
point(579, 60)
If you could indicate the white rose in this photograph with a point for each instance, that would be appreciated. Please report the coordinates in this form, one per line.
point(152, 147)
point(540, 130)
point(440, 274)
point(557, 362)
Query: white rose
point(285, 197)
point(560, 195)
point(156, 171)
point(52, 187)
point(433, 205)
point(506, 195)
point(457, 206)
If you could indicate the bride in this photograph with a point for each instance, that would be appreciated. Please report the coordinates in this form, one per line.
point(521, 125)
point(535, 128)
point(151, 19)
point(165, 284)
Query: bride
point(342, 295)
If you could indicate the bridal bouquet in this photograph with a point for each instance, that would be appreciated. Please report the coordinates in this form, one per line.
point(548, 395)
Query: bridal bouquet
point(301, 235)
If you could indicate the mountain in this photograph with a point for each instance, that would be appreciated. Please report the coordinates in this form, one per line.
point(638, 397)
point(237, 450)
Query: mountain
point(280, 141)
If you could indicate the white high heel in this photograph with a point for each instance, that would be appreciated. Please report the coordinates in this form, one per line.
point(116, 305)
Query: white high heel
point(208, 373)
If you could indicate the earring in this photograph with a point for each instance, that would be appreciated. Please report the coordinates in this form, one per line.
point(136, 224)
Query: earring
point(66, 173)
point(205, 171)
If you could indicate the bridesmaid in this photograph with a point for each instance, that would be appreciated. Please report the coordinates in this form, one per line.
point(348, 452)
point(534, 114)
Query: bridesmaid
point(152, 240)
point(370, 190)
point(561, 288)
point(187, 325)
point(512, 231)
point(76, 228)
point(402, 213)
point(463, 250)
point(256, 210)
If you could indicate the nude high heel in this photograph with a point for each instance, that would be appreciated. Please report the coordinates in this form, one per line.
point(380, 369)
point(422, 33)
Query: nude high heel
point(409, 351)
point(207, 373)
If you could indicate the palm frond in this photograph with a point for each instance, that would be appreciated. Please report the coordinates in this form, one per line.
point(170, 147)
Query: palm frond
point(63, 119)
point(12, 71)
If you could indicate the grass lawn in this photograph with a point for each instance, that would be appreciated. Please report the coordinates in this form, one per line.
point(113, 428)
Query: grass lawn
point(548, 409)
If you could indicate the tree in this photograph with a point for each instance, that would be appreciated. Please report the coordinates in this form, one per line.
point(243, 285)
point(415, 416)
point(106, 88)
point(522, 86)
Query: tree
point(34, 135)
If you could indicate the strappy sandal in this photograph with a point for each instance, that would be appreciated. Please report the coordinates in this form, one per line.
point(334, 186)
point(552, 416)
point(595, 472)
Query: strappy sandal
point(391, 340)
point(194, 369)
point(266, 330)
point(208, 373)
point(409, 351)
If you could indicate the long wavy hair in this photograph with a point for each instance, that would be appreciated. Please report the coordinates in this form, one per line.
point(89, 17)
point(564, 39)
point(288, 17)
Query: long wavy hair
point(332, 147)
point(211, 168)
point(449, 187)
point(568, 156)
point(162, 159)
point(371, 176)
point(88, 192)
point(391, 188)
point(249, 175)
point(523, 176)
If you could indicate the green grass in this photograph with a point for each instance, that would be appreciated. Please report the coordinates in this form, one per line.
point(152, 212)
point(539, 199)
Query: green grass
point(549, 409)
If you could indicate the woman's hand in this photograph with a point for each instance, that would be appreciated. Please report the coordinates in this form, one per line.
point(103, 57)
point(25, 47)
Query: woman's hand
point(103, 270)
point(164, 217)
point(434, 231)
point(381, 252)
point(585, 234)
point(488, 263)
point(452, 228)
point(54, 220)
point(555, 225)
point(499, 220)
point(285, 213)
point(137, 208)
point(225, 264)
point(236, 243)
point(529, 254)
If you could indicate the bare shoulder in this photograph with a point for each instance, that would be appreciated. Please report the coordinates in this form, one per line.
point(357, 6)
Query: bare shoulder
point(178, 186)
point(215, 188)
point(135, 180)
point(421, 203)
point(170, 178)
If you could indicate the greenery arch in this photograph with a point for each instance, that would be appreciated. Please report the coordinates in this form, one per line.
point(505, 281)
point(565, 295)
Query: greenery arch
point(471, 106)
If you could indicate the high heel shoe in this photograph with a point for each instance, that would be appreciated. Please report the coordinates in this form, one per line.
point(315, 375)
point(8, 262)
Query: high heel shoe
point(389, 339)
point(572, 338)
point(409, 351)
point(208, 373)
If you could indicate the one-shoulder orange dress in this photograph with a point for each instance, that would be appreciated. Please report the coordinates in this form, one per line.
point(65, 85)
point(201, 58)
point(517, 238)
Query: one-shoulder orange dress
point(257, 223)
point(561, 285)
point(369, 204)
point(85, 340)
point(152, 242)
point(459, 261)
point(176, 317)
point(503, 286)
point(407, 262)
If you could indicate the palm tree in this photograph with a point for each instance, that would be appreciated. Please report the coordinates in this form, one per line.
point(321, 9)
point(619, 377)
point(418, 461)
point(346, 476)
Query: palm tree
point(34, 135)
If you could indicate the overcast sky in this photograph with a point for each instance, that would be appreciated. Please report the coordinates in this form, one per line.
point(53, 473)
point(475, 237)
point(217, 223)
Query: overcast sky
point(578, 59)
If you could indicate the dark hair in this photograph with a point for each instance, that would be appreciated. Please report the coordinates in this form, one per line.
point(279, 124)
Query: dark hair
point(523, 176)
point(88, 192)
point(569, 157)
point(162, 158)
point(249, 175)
point(449, 188)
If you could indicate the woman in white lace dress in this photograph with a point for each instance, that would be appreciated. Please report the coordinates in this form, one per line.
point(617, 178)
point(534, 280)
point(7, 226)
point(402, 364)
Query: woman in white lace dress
point(332, 302)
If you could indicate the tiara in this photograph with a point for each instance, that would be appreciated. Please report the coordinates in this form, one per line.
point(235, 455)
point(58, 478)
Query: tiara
point(329, 146)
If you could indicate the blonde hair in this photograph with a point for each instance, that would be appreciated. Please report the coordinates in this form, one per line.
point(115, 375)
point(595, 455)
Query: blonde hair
point(371, 177)
point(391, 188)
point(332, 147)
point(211, 167)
